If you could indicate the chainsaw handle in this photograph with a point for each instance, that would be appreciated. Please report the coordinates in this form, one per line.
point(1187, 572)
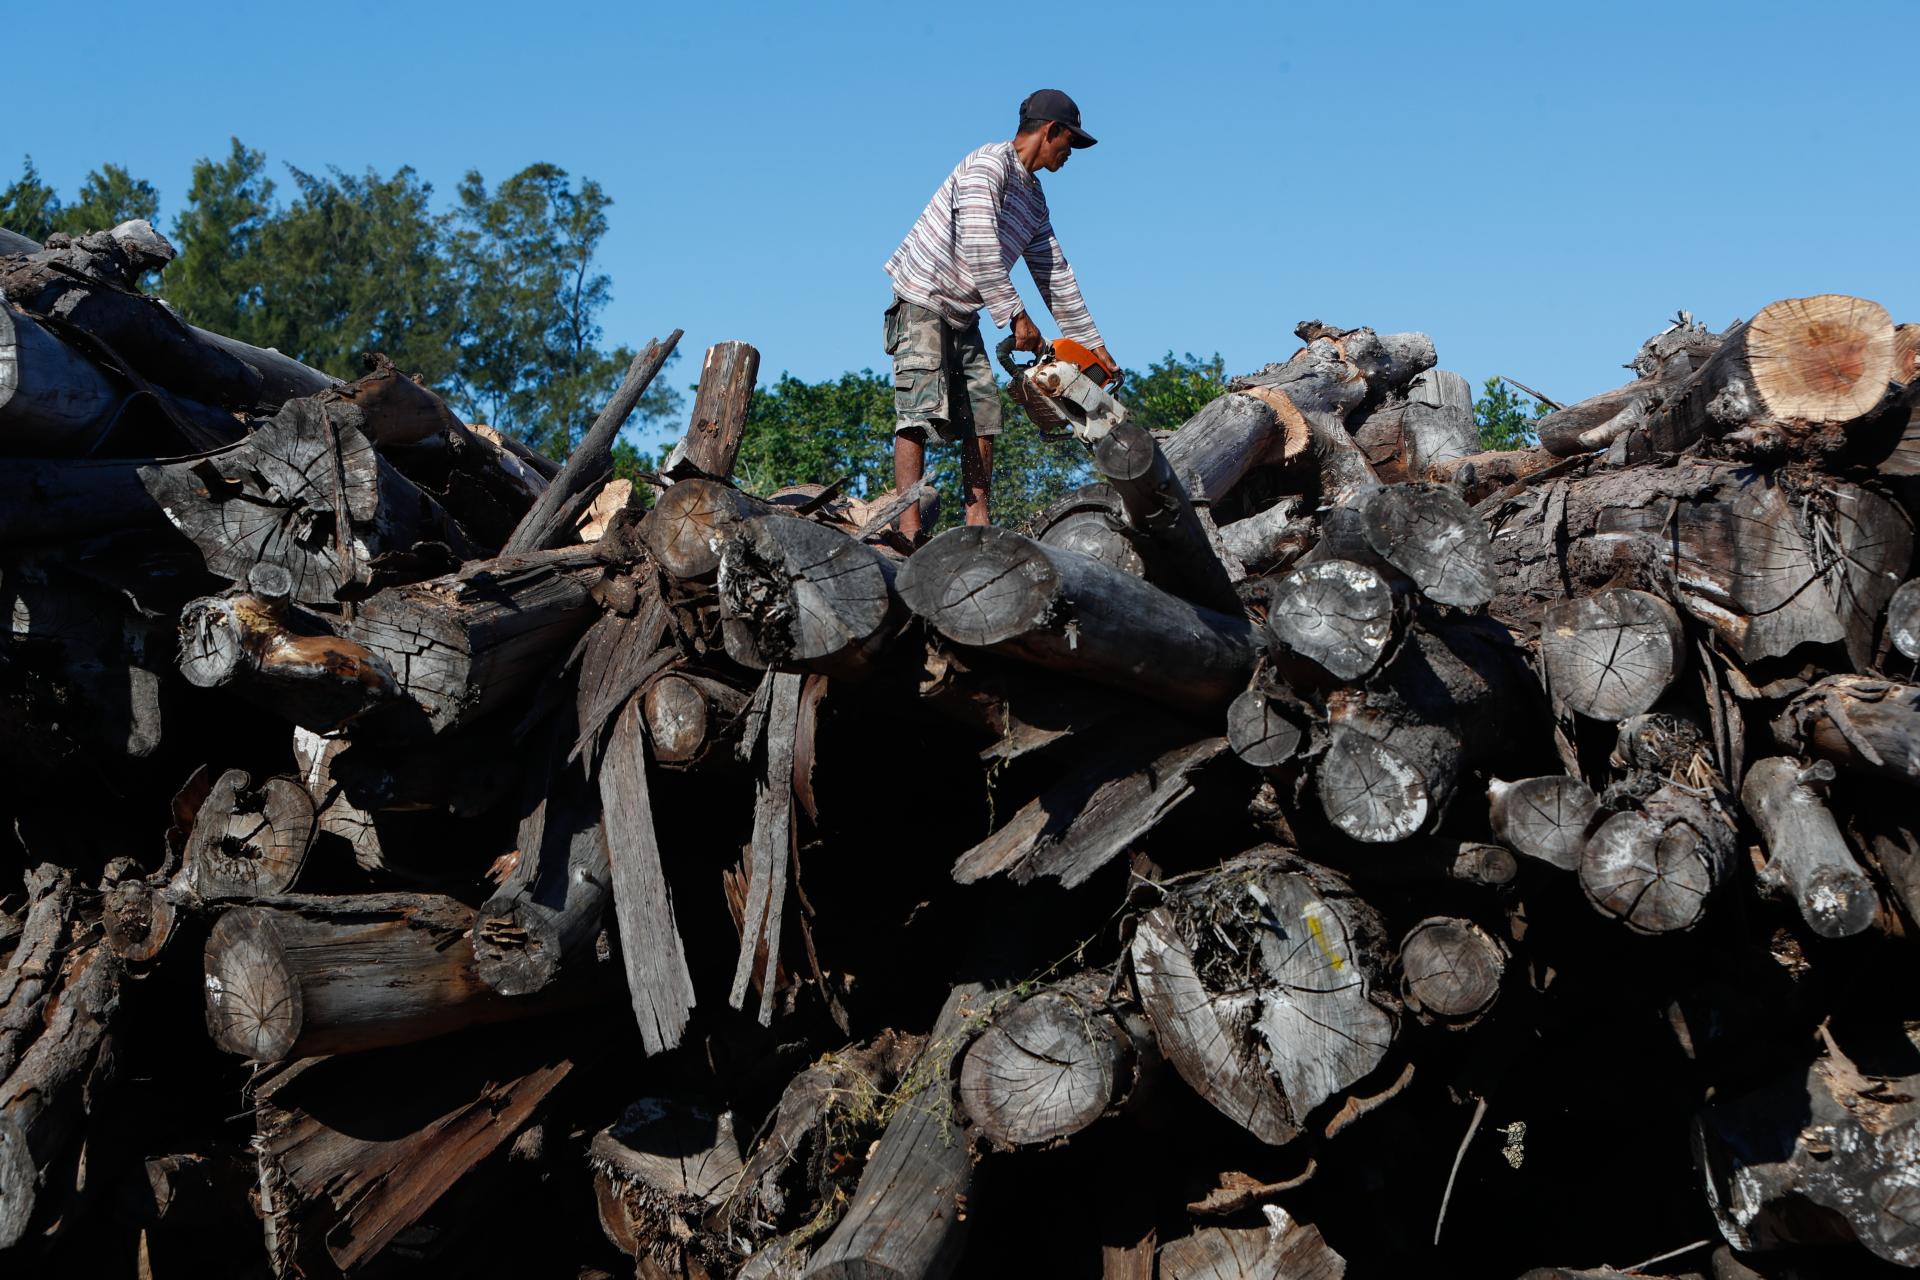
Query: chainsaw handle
point(1005, 352)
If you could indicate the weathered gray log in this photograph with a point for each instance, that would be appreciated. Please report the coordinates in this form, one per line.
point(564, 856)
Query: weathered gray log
point(1820, 1159)
point(53, 400)
point(1429, 426)
point(1861, 723)
point(1095, 812)
point(1264, 730)
point(687, 716)
point(1655, 867)
point(1450, 971)
point(1545, 818)
point(800, 595)
point(60, 501)
point(719, 420)
point(1903, 619)
point(1092, 521)
point(763, 911)
point(682, 528)
point(592, 459)
point(280, 656)
point(991, 588)
point(1806, 856)
point(1341, 615)
point(1311, 1014)
point(658, 1172)
point(473, 641)
point(907, 1220)
point(308, 492)
point(1160, 511)
point(1424, 531)
point(248, 841)
point(1051, 1064)
point(658, 981)
point(1273, 538)
point(1802, 368)
point(1295, 1250)
point(295, 976)
point(1612, 654)
point(1230, 436)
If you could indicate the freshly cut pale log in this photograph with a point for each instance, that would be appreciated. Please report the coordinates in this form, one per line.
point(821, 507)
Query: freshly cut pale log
point(347, 1160)
point(1051, 1064)
point(1091, 521)
point(280, 656)
point(1612, 654)
point(1287, 1010)
point(657, 1173)
point(1271, 539)
point(1093, 814)
point(308, 492)
point(1820, 1159)
point(1293, 1251)
point(687, 716)
point(1160, 511)
point(1906, 352)
point(1903, 619)
point(1450, 971)
point(1807, 858)
point(907, 1219)
point(658, 981)
point(1654, 868)
point(468, 643)
point(1263, 730)
point(1806, 366)
point(720, 409)
point(800, 595)
point(686, 520)
point(1424, 531)
point(53, 400)
point(1861, 723)
point(994, 589)
point(291, 977)
point(1340, 614)
point(591, 461)
point(248, 841)
point(543, 920)
point(1545, 818)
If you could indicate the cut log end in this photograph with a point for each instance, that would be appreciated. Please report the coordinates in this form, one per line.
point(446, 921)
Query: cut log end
point(516, 949)
point(250, 841)
point(1260, 732)
point(979, 585)
point(253, 1001)
point(1338, 613)
point(1612, 654)
point(1371, 791)
point(1046, 1069)
point(138, 920)
point(1827, 358)
point(1451, 970)
point(1655, 869)
point(1543, 818)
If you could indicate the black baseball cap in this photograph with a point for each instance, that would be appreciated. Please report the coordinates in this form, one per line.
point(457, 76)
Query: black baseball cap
point(1051, 104)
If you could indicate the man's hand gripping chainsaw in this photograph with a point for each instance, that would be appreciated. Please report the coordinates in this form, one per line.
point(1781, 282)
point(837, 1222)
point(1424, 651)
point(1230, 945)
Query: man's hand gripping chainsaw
point(1065, 386)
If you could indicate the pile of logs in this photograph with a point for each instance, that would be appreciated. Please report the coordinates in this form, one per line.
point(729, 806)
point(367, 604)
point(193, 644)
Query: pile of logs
point(1316, 849)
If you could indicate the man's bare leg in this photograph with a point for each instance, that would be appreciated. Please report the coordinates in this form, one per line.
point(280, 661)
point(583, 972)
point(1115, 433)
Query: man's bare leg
point(909, 464)
point(976, 473)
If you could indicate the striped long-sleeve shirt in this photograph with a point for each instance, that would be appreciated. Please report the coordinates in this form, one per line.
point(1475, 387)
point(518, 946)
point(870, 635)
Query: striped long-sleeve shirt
point(989, 212)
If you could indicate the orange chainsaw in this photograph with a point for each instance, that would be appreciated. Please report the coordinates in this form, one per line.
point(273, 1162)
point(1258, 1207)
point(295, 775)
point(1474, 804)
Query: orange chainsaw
point(1065, 386)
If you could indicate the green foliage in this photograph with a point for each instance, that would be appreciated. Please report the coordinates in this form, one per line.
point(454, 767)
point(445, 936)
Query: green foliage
point(30, 206)
point(215, 280)
point(108, 197)
point(1172, 390)
point(1505, 418)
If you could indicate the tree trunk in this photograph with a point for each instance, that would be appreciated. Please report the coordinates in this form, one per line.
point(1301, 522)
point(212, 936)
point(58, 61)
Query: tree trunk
point(1655, 867)
point(1806, 856)
point(720, 409)
point(907, 1218)
point(1342, 616)
point(1424, 531)
point(61, 501)
point(292, 977)
point(307, 493)
point(658, 1173)
point(686, 521)
point(1546, 818)
point(1049, 1065)
point(1271, 539)
point(279, 656)
point(1612, 654)
point(1451, 971)
point(688, 717)
point(1288, 1010)
point(1230, 436)
point(1160, 512)
point(248, 841)
point(53, 400)
point(1861, 723)
point(799, 595)
point(1092, 521)
point(1803, 366)
point(474, 641)
point(994, 589)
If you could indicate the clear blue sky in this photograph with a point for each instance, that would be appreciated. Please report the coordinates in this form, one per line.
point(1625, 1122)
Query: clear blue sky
point(1535, 185)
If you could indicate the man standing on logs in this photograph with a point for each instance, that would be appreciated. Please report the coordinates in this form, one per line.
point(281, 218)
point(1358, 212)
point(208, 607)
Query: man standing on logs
point(989, 212)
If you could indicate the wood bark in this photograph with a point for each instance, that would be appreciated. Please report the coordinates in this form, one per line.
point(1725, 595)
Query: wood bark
point(906, 1219)
point(60, 501)
point(1231, 435)
point(763, 911)
point(994, 589)
point(1545, 818)
point(1051, 1064)
point(720, 407)
point(800, 595)
point(471, 642)
point(1807, 858)
point(1450, 971)
point(248, 841)
point(1431, 425)
point(1160, 512)
point(1612, 654)
point(291, 977)
point(1289, 1010)
point(1655, 867)
point(1861, 723)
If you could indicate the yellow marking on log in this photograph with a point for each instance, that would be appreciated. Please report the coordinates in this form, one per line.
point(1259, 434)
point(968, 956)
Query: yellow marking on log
point(1320, 936)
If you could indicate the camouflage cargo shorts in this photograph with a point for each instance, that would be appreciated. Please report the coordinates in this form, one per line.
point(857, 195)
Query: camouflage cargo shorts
point(943, 383)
